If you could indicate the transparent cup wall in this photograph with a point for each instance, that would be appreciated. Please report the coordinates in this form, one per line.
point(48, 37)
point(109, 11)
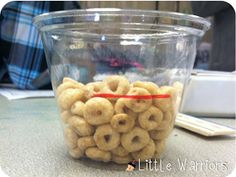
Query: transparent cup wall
point(118, 87)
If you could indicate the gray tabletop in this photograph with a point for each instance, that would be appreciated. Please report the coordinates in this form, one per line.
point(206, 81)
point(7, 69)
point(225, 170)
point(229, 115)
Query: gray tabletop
point(31, 144)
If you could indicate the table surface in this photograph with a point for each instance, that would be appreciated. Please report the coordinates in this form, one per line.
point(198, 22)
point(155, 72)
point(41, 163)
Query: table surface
point(32, 144)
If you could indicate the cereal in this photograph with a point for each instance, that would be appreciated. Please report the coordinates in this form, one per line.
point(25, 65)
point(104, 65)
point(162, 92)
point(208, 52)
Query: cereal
point(149, 86)
point(93, 88)
point(116, 85)
point(122, 123)
point(85, 142)
point(106, 137)
point(78, 108)
point(68, 79)
point(138, 105)
point(65, 115)
point(69, 97)
point(98, 111)
point(71, 138)
point(160, 134)
point(98, 155)
point(121, 159)
point(132, 126)
point(120, 151)
point(72, 84)
point(146, 153)
point(151, 118)
point(96, 86)
point(81, 126)
point(120, 107)
point(166, 104)
point(167, 117)
point(76, 153)
point(135, 140)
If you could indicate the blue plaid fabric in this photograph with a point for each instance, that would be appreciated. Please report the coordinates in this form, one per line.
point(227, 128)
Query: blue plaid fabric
point(21, 47)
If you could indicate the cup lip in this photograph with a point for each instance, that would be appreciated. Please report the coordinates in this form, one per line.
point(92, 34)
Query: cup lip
point(129, 12)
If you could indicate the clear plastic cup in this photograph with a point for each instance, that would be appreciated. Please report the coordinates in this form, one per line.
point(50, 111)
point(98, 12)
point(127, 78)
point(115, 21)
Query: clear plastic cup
point(118, 76)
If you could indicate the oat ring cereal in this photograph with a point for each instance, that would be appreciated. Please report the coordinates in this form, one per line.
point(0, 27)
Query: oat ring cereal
point(160, 134)
point(116, 85)
point(65, 116)
point(151, 118)
point(99, 155)
point(121, 159)
point(106, 138)
point(76, 153)
point(166, 104)
point(120, 151)
point(96, 86)
point(122, 123)
point(146, 153)
point(137, 104)
point(135, 139)
point(167, 118)
point(68, 97)
point(85, 142)
point(71, 138)
point(98, 111)
point(78, 108)
point(68, 79)
point(120, 107)
point(69, 83)
point(93, 88)
point(149, 86)
point(80, 126)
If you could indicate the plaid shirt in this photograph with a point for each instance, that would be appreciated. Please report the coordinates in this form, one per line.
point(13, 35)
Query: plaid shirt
point(21, 49)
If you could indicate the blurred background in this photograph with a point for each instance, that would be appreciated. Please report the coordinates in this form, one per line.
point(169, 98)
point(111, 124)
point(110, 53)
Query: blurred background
point(173, 6)
point(22, 59)
point(218, 12)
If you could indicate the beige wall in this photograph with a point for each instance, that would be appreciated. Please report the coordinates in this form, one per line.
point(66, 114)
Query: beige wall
point(175, 6)
point(181, 6)
point(120, 4)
